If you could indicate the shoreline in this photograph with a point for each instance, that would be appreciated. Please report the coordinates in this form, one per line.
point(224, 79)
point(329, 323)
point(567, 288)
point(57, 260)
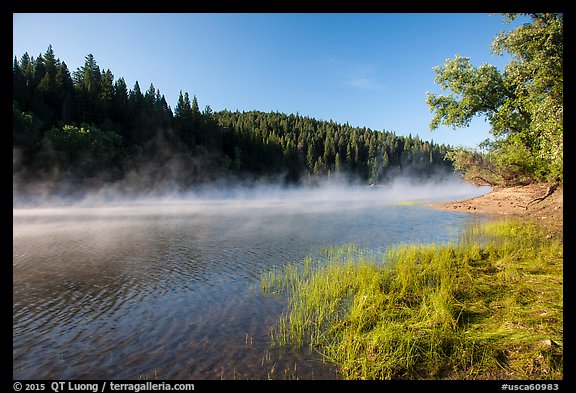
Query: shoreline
point(515, 202)
point(498, 317)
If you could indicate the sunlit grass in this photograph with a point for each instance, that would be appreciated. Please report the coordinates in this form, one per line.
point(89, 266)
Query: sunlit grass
point(487, 307)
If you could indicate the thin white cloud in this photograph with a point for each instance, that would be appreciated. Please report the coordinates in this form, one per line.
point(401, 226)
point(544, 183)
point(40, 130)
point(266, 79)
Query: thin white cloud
point(365, 83)
point(361, 76)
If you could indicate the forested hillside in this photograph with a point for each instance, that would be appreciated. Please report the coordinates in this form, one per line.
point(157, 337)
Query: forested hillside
point(88, 128)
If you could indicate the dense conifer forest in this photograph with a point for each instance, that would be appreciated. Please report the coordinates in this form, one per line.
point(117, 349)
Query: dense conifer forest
point(87, 128)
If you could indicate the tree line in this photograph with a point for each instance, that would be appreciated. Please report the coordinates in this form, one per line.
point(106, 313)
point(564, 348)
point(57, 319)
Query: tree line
point(87, 127)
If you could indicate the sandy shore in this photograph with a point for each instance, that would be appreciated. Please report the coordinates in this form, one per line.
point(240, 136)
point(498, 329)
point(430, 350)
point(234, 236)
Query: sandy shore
point(520, 201)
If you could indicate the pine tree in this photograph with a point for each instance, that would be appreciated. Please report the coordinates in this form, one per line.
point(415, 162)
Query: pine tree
point(88, 78)
point(195, 110)
point(18, 82)
point(184, 120)
point(182, 107)
point(119, 107)
point(65, 88)
point(107, 89)
point(337, 163)
point(87, 82)
point(48, 82)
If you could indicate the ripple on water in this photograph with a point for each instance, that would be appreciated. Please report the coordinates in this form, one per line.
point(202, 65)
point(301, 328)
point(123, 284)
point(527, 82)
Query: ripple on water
point(123, 295)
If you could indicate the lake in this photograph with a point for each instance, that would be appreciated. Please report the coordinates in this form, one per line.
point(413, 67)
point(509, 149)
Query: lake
point(169, 287)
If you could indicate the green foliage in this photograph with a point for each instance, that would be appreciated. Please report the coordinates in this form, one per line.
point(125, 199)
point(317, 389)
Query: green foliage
point(505, 164)
point(489, 307)
point(474, 91)
point(83, 149)
point(131, 132)
point(324, 148)
point(25, 129)
point(524, 104)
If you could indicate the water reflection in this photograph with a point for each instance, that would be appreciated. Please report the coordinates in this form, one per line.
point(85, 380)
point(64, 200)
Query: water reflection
point(171, 290)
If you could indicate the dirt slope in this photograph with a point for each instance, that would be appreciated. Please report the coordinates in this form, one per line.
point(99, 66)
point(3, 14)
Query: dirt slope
point(519, 201)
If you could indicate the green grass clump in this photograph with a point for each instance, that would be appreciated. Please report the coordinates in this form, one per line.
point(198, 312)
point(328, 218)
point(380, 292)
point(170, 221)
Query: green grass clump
point(489, 307)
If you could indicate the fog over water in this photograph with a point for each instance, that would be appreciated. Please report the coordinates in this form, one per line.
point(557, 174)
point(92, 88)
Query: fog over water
point(238, 197)
point(167, 285)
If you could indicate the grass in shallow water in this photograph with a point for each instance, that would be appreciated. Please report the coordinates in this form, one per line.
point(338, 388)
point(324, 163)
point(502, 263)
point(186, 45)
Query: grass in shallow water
point(489, 307)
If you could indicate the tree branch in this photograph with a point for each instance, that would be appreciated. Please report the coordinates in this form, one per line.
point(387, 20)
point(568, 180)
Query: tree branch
point(549, 192)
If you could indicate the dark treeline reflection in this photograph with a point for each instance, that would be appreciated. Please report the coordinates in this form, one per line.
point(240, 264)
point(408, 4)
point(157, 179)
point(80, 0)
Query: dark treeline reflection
point(169, 287)
point(88, 129)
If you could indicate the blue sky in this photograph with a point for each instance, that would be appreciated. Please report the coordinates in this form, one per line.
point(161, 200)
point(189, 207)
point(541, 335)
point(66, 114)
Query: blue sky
point(370, 70)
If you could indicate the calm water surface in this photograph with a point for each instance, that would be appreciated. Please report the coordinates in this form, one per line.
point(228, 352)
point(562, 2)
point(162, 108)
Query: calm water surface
point(170, 289)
